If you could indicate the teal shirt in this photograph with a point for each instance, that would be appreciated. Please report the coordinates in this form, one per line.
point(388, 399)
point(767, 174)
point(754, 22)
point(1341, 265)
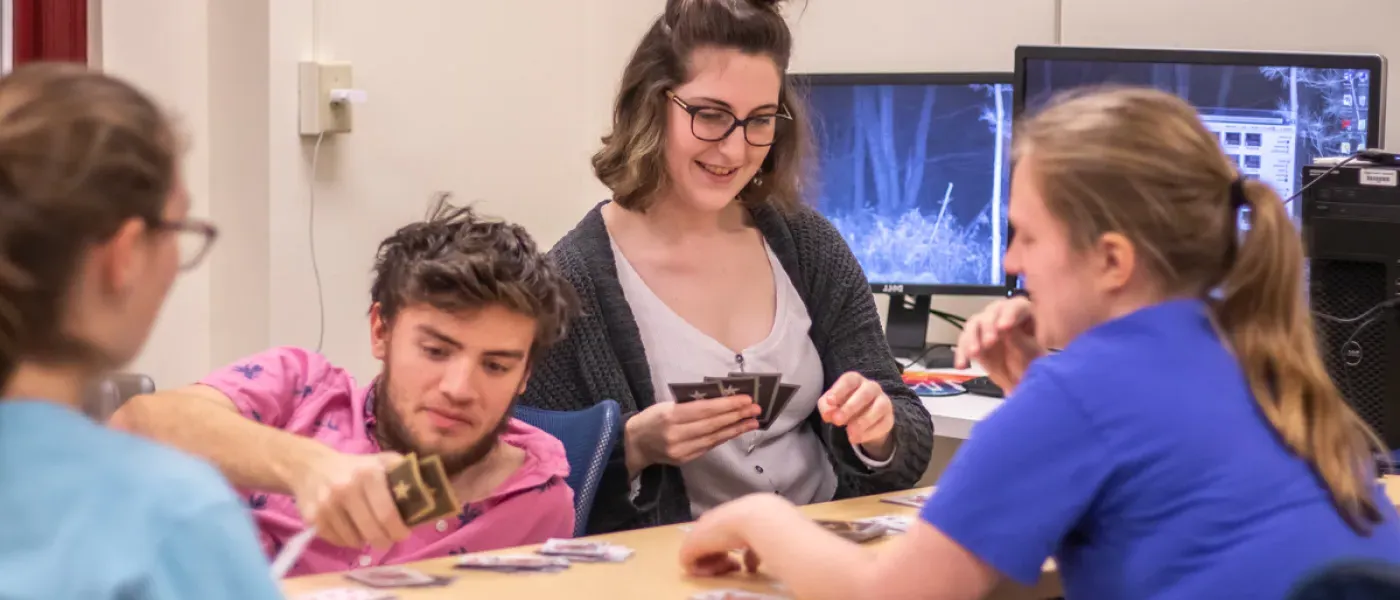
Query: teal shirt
point(92, 513)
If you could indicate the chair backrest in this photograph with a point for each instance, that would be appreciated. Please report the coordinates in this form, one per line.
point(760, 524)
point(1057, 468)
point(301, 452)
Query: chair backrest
point(1350, 580)
point(110, 392)
point(588, 436)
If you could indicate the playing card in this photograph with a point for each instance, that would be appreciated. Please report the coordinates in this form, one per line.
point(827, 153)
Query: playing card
point(767, 387)
point(734, 595)
point(512, 563)
point(891, 523)
point(852, 530)
point(409, 492)
point(912, 500)
point(688, 392)
point(438, 488)
point(585, 551)
point(741, 386)
point(346, 594)
point(395, 576)
point(780, 401)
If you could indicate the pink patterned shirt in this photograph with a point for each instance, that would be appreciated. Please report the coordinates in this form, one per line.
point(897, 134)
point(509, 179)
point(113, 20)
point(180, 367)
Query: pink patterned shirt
point(300, 392)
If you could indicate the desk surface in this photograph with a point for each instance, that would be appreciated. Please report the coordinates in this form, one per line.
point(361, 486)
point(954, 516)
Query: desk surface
point(653, 572)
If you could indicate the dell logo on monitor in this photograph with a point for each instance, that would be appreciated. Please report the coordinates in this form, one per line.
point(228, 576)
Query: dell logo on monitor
point(1351, 353)
point(892, 288)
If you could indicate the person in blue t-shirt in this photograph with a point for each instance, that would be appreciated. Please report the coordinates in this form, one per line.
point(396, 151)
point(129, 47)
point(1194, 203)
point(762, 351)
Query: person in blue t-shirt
point(94, 227)
point(1186, 443)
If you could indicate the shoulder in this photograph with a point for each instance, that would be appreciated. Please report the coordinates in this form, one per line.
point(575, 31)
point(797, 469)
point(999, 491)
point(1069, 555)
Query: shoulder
point(802, 223)
point(572, 250)
point(545, 456)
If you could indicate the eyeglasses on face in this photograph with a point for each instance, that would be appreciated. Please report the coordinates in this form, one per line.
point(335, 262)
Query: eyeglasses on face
point(195, 238)
point(713, 124)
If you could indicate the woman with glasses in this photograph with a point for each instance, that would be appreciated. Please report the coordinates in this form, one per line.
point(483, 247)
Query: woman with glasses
point(94, 226)
point(706, 264)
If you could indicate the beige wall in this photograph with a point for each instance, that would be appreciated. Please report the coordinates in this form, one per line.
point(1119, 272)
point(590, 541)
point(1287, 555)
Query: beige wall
point(489, 101)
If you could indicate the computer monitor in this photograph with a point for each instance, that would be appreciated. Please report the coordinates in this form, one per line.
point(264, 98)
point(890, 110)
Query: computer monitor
point(1275, 113)
point(914, 172)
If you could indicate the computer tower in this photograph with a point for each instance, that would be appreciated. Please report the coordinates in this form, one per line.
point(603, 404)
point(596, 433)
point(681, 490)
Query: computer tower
point(1351, 230)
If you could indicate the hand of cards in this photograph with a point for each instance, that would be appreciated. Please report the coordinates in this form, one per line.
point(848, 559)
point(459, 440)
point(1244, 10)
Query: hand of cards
point(421, 490)
point(766, 389)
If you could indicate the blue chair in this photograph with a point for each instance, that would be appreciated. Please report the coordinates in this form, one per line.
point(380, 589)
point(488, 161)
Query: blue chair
point(588, 436)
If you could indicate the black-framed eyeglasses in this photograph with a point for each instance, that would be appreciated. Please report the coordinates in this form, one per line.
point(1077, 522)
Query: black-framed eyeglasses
point(195, 238)
point(713, 124)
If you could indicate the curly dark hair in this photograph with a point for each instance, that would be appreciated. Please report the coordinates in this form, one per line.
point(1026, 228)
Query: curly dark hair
point(455, 260)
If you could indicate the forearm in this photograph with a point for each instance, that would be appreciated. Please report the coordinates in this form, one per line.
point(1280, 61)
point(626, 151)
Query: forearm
point(249, 454)
point(812, 562)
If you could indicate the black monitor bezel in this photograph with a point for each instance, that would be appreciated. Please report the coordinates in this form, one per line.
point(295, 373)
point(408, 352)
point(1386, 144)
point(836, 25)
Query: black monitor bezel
point(1373, 63)
point(804, 81)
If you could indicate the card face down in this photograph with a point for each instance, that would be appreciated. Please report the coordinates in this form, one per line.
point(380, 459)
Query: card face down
point(853, 530)
point(392, 577)
point(767, 387)
point(780, 401)
point(690, 392)
point(408, 490)
point(741, 386)
point(439, 489)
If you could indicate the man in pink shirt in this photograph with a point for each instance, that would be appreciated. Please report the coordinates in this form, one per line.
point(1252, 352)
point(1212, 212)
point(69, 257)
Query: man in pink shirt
point(460, 309)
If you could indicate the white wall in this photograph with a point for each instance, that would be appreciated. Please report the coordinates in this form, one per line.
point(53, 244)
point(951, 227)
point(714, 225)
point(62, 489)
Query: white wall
point(490, 101)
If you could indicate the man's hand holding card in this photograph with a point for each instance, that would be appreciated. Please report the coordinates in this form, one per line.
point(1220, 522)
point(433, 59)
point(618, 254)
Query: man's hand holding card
point(861, 406)
point(344, 496)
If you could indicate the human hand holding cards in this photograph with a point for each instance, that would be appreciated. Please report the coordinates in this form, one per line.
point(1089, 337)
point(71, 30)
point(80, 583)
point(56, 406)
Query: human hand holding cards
point(861, 406)
point(675, 433)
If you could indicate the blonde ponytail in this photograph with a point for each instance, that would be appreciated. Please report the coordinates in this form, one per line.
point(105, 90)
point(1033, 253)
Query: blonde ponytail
point(1265, 316)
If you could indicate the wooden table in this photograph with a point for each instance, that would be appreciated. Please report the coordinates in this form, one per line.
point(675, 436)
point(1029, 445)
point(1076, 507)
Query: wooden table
point(653, 573)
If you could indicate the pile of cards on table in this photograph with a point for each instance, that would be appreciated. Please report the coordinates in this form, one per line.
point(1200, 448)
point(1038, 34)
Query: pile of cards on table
point(855, 531)
point(394, 576)
point(585, 551)
point(766, 389)
point(346, 594)
point(421, 490)
point(891, 523)
point(735, 595)
point(912, 500)
point(513, 563)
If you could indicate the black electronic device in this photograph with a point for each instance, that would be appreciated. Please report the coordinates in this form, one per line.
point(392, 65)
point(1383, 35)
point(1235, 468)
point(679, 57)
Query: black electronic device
point(914, 174)
point(983, 386)
point(1351, 228)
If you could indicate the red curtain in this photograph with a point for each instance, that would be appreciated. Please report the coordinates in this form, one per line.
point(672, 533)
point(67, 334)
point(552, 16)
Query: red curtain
point(50, 30)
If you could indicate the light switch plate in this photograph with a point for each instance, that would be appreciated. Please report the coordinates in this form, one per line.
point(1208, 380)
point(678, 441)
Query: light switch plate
point(317, 113)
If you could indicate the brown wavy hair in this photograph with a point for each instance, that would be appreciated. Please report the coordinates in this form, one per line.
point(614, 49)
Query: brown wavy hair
point(632, 160)
point(1140, 162)
point(456, 260)
point(81, 153)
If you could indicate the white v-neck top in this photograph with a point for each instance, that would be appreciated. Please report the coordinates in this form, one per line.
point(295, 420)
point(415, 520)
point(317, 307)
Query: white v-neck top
point(788, 458)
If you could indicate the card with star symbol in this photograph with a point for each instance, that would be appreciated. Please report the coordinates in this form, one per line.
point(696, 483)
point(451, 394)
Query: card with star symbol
point(741, 385)
point(439, 489)
point(408, 490)
point(690, 392)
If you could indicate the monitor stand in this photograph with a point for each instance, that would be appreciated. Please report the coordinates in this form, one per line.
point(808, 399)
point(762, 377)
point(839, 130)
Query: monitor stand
point(907, 333)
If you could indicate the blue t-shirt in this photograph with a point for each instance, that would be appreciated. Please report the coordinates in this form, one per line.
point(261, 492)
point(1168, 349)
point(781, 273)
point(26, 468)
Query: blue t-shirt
point(95, 514)
point(1138, 458)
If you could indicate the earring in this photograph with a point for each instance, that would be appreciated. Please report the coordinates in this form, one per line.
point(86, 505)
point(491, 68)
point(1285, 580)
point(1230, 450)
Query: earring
point(757, 180)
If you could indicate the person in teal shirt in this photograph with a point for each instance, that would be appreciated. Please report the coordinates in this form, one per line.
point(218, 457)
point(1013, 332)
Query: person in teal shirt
point(1186, 442)
point(94, 227)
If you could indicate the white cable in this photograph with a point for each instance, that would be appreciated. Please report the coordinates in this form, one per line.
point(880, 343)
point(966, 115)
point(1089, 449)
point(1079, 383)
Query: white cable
point(311, 241)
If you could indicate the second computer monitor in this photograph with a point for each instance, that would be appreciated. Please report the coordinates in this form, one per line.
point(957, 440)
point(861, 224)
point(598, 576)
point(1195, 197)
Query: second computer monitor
point(913, 172)
point(1274, 112)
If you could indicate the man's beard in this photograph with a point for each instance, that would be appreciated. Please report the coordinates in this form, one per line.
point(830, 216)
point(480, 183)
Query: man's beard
point(394, 435)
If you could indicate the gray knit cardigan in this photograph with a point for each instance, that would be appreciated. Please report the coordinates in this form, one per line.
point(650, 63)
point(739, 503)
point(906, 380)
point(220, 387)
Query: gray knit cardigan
point(602, 357)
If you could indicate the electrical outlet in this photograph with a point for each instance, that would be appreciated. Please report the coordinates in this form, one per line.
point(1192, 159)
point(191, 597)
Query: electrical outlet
point(319, 111)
